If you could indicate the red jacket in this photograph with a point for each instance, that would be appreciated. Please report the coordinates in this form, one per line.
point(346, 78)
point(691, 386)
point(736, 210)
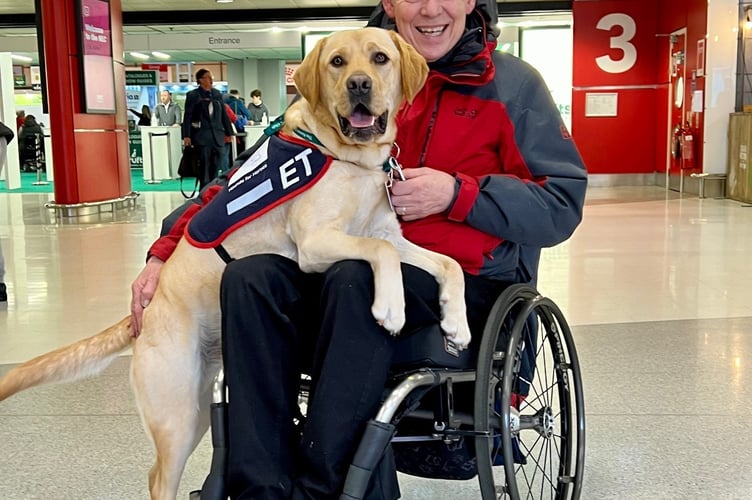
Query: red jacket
point(489, 119)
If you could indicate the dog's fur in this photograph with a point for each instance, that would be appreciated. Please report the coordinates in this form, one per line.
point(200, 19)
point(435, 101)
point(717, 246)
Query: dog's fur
point(346, 215)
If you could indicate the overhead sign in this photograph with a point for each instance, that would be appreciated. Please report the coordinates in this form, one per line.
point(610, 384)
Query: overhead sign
point(147, 77)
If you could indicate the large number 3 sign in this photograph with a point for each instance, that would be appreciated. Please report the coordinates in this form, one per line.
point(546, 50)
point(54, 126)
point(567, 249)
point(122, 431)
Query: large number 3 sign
point(620, 42)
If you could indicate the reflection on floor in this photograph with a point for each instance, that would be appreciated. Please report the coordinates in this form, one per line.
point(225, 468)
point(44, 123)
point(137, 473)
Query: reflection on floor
point(654, 284)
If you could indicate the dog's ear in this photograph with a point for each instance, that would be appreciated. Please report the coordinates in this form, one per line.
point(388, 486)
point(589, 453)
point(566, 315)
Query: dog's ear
point(413, 67)
point(307, 78)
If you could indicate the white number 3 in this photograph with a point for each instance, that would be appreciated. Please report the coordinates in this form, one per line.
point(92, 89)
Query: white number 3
point(621, 42)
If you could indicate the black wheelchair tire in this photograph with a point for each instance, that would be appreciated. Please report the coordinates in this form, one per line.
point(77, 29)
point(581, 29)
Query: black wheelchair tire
point(498, 369)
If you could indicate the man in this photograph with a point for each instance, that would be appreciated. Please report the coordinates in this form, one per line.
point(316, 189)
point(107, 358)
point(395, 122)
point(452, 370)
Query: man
point(206, 125)
point(167, 112)
point(257, 108)
point(489, 186)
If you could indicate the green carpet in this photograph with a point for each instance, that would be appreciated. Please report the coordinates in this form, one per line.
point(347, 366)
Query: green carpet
point(137, 183)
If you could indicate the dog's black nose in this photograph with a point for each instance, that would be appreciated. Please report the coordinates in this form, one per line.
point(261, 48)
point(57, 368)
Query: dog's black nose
point(359, 85)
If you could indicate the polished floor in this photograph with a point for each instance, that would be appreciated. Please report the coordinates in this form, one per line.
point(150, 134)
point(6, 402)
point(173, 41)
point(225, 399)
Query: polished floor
point(655, 284)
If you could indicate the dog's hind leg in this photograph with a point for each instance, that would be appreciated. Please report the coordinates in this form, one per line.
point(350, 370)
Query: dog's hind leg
point(167, 379)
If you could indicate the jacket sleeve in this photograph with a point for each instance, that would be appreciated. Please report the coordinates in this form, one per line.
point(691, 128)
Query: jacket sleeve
point(226, 122)
point(6, 132)
point(190, 103)
point(173, 226)
point(544, 209)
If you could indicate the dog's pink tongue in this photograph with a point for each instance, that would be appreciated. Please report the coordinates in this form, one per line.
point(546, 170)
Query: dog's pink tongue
point(362, 120)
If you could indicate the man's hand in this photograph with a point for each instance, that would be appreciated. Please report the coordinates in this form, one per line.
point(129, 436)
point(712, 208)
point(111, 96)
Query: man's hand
point(186, 141)
point(228, 139)
point(424, 192)
point(142, 291)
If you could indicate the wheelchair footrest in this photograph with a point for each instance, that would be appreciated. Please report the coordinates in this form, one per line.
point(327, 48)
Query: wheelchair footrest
point(376, 438)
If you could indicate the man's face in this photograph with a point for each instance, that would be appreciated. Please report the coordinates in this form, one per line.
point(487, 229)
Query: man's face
point(206, 81)
point(433, 27)
point(255, 99)
point(164, 96)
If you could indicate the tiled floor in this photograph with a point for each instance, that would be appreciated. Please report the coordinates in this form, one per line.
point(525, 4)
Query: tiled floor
point(656, 286)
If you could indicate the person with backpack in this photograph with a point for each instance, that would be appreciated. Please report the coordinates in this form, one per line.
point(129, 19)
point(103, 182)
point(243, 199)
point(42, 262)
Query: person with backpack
point(243, 116)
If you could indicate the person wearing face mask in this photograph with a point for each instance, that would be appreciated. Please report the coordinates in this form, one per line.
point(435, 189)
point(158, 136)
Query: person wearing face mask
point(206, 125)
point(492, 177)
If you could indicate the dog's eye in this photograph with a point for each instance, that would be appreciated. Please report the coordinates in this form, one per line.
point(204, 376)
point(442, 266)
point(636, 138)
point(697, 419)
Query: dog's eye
point(380, 58)
point(337, 61)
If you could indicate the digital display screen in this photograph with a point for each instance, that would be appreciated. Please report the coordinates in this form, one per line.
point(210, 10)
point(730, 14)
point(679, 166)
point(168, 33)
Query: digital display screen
point(98, 77)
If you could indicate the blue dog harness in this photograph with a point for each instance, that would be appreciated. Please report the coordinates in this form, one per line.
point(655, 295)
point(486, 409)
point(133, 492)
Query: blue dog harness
point(281, 168)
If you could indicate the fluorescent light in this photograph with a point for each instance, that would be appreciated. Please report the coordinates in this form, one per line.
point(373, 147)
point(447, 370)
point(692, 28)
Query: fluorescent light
point(160, 55)
point(140, 55)
point(224, 1)
point(21, 58)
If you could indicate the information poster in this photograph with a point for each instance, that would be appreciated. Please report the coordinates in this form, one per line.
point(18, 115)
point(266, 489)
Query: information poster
point(98, 77)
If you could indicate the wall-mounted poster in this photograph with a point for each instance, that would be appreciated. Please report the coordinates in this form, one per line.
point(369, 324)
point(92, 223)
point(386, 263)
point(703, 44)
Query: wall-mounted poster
point(97, 72)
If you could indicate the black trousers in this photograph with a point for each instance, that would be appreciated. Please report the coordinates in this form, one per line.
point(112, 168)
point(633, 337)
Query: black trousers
point(211, 162)
point(278, 322)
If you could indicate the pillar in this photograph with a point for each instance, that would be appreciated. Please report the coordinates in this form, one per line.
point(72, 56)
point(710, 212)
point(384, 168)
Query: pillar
point(91, 150)
point(12, 172)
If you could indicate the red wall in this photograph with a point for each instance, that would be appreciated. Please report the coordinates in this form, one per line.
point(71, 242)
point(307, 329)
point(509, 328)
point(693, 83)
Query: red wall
point(634, 141)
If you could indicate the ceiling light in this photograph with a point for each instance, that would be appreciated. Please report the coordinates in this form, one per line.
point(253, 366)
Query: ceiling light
point(21, 58)
point(160, 55)
point(140, 55)
point(224, 1)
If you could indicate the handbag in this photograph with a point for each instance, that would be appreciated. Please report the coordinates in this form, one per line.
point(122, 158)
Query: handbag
point(190, 167)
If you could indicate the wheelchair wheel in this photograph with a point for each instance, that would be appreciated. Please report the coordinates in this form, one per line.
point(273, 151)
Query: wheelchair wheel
point(529, 406)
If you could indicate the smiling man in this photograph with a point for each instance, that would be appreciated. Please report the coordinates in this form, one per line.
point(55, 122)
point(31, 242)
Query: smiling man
point(492, 176)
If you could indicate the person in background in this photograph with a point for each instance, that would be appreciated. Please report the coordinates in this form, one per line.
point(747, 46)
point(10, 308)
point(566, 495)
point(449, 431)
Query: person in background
point(224, 165)
point(20, 117)
point(206, 124)
point(233, 100)
point(167, 112)
point(257, 108)
point(31, 144)
point(144, 117)
point(6, 135)
point(490, 187)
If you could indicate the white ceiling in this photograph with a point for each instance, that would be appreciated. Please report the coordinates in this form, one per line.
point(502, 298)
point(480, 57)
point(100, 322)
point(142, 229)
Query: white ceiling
point(22, 41)
point(27, 6)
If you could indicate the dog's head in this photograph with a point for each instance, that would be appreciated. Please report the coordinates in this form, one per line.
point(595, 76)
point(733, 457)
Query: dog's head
point(356, 80)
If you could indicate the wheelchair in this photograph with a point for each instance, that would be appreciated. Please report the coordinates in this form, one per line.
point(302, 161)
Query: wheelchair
point(511, 411)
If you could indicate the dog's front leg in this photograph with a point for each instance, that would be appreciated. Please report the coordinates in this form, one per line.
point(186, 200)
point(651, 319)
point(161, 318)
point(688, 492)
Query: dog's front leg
point(448, 274)
point(320, 249)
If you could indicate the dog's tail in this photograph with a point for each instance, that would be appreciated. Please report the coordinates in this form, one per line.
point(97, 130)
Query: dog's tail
point(84, 358)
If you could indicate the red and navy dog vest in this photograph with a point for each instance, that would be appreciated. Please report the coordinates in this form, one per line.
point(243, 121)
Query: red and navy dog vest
point(280, 169)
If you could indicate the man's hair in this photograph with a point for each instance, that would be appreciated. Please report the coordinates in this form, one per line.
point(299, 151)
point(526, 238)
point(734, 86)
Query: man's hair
point(255, 93)
point(200, 74)
point(234, 92)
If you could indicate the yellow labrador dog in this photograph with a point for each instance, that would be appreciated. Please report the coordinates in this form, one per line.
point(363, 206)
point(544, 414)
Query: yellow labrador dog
point(352, 85)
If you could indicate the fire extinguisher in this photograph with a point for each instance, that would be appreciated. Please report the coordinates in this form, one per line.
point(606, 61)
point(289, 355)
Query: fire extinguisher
point(676, 143)
point(687, 147)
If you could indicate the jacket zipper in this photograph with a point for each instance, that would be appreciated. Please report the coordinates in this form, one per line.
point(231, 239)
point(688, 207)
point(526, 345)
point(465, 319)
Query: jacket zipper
point(431, 123)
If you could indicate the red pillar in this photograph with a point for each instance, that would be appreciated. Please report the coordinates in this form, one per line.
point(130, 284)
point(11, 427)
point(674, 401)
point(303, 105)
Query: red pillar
point(91, 150)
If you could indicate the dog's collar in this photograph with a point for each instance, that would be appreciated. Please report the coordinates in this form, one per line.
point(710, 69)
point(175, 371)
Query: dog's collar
point(390, 166)
point(308, 136)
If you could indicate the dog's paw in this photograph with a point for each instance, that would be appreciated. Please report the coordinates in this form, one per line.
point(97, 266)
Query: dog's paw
point(457, 331)
point(391, 317)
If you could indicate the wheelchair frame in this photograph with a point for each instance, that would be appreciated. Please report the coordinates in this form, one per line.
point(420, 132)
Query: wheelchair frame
point(528, 420)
